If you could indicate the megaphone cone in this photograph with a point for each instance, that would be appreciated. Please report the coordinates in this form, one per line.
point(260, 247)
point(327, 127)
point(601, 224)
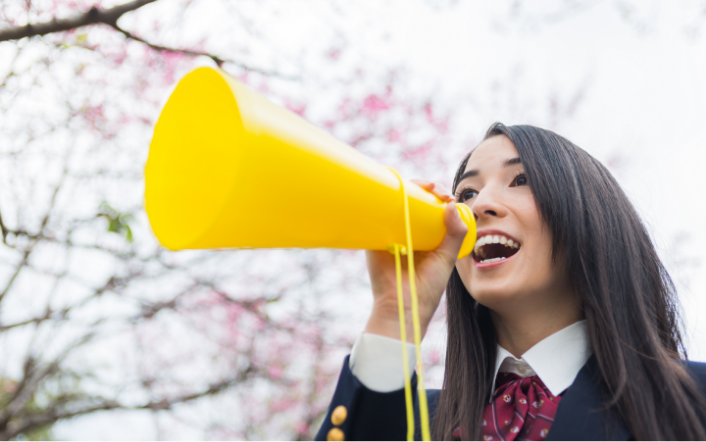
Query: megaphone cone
point(228, 168)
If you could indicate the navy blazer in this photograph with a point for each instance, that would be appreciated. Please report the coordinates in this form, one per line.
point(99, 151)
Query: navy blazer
point(381, 416)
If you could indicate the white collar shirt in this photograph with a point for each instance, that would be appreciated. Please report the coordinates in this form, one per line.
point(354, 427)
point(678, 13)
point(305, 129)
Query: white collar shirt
point(556, 359)
point(375, 360)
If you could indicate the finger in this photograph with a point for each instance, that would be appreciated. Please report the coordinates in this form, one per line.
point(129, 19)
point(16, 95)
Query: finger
point(441, 192)
point(435, 189)
point(424, 184)
point(456, 231)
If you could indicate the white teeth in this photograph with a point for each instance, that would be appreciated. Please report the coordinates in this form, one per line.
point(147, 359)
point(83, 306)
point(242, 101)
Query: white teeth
point(491, 260)
point(494, 239)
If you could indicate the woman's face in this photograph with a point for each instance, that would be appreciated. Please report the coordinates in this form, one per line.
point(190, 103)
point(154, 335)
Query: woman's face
point(511, 262)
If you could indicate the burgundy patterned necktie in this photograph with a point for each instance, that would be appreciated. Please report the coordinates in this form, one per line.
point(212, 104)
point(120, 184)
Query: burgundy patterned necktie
point(522, 409)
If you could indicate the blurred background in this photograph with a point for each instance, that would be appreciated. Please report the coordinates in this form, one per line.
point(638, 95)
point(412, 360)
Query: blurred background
point(106, 335)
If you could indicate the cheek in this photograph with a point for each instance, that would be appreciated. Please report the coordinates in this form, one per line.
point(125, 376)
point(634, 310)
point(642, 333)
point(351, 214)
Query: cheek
point(537, 268)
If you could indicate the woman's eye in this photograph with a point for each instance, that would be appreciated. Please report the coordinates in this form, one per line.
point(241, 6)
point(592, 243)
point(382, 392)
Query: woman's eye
point(466, 194)
point(521, 180)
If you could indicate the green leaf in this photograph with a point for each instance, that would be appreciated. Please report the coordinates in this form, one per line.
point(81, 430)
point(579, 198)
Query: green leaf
point(128, 233)
point(117, 222)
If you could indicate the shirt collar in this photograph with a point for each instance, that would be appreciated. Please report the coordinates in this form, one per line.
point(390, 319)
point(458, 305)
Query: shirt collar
point(556, 359)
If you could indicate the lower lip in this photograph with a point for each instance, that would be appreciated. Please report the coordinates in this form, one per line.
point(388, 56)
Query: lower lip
point(488, 265)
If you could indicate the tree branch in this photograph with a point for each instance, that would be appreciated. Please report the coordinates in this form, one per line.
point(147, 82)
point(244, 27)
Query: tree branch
point(110, 17)
point(52, 413)
point(20, 266)
point(92, 17)
point(3, 230)
point(218, 60)
point(37, 320)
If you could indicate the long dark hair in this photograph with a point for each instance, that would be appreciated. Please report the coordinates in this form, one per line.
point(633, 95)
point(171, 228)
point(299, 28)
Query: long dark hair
point(626, 295)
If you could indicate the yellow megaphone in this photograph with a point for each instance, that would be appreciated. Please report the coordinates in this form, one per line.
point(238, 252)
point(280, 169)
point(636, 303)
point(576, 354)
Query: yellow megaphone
point(228, 168)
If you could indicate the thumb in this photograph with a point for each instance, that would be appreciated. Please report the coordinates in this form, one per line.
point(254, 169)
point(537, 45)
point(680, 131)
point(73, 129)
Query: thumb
point(456, 231)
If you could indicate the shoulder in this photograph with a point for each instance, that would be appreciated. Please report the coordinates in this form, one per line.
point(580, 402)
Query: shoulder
point(696, 368)
point(698, 371)
point(433, 397)
point(433, 401)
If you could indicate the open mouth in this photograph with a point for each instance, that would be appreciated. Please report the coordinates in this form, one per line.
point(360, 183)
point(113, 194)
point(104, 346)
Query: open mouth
point(492, 248)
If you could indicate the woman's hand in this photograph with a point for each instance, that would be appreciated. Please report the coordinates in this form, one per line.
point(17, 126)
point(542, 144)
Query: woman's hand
point(432, 272)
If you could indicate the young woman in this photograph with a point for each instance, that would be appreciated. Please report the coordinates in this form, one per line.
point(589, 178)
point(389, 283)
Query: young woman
point(562, 324)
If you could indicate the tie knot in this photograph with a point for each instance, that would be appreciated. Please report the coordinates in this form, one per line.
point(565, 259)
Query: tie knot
point(505, 380)
point(521, 408)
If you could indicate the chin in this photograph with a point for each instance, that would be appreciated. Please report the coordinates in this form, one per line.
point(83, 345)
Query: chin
point(493, 294)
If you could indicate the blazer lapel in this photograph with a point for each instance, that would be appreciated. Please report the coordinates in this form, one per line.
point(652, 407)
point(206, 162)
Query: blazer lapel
point(581, 414)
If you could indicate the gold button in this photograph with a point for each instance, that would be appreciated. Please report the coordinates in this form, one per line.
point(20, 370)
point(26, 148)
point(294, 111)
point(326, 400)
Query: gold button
point(339, 415)
point(335, 434)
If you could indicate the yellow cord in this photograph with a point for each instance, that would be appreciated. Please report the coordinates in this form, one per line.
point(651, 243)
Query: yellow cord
point(403, 336)
point(423, 407)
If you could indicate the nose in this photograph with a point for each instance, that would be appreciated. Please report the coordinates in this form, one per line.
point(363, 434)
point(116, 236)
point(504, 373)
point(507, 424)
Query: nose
point(488, 204)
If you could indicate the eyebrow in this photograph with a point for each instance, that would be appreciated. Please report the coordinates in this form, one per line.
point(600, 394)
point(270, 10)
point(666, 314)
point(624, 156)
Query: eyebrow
point(474, 172)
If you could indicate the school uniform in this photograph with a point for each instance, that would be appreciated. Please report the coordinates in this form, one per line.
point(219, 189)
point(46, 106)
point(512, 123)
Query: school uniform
point(369, 404)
